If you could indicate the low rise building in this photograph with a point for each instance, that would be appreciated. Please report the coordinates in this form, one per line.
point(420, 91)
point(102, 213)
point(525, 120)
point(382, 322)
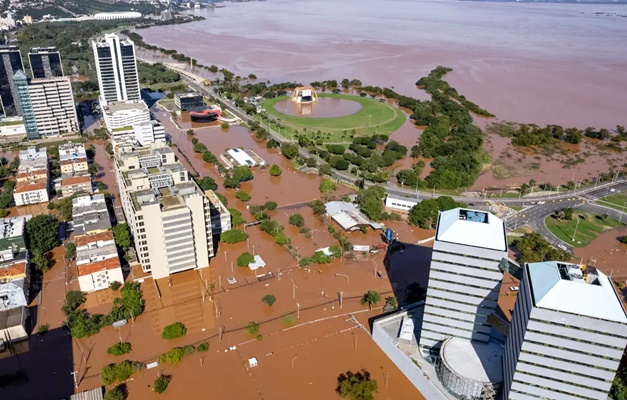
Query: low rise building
point(90, 215)
point(241, 158)
point(400, 202)
point(169, 216)
point(70, 185)
point(122, 114)
point(142, 134)
point(12, 129)
point(12, 234)
point(189, 101)
point(348, 216)
point(13, 325)
point(32, 177)
point(73, 159)
point(97, 261)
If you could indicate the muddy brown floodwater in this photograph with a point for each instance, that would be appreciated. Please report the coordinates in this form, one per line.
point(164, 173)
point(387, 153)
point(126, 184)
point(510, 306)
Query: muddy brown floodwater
point(526, 62)
point(325, 107)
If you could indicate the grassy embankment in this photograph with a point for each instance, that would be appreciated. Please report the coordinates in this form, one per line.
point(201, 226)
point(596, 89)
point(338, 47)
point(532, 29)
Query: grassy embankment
point(590, 226)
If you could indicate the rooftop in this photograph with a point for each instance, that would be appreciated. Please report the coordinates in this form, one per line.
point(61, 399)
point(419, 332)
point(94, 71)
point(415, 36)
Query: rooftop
point(12, 317)
point(472, 228)
point(93, 394)
point(187, 95)
point(117, 106)
point(575, 289)
point(13, 294)
point(23, 187)
point(346, 214)
point(480, 362)
point(76, 180)
point(93, 254)
point(108, 264)
point(94, 238)
point(12, 227)
point(50, 49)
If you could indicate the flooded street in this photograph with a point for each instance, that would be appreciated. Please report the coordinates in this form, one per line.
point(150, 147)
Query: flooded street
point(325, 107)
point(540, 63)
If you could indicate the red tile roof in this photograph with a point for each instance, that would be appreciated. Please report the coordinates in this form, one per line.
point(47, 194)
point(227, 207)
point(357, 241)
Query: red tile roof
point(108, 264)
point(18, 268)
point(75, 161)
point(23, 187)
point(76, 180)
point(86, 239)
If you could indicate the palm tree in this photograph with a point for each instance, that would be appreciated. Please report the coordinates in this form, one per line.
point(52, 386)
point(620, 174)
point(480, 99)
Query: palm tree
point(371, 297)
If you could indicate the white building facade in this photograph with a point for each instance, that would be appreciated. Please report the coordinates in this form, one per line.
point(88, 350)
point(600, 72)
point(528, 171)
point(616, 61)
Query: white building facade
point(169, 216)
point(568, 334)
point(400, 203)
point(121, 116)
point(97, 261)
point(53, 106)
point(464, 277)
point(116, 68)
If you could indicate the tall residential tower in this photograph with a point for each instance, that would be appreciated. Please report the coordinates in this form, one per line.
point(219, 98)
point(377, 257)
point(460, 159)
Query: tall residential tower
point(464, 279)
point(45, 62)
point(568, 334)
point(116, 68)
point(10, 63)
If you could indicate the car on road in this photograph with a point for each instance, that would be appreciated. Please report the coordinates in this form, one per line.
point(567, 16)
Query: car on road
point(612, 190)
point(541, 202)
point(561, 246)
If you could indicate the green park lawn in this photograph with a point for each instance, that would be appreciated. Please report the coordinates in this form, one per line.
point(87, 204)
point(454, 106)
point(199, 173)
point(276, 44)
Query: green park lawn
point(373, 117)
point(615, 201)
point(587, 231)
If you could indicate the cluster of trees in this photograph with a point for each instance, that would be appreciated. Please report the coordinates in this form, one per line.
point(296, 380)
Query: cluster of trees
point(150, 74)
point(207, 155)
point(411, 177)
point(242, 195)
point(320, 257)
point(82, 324)
point(176, 354)
point(275, 230)
point(206, 183)
point(233, 236)
point(6, 195)
point(297, 220)
point(533, 248)
point(236, 217)
point(356, 385)
point(174, 331)
point(162, 382)
point(370, 202)
point(120, 371)
point(318, 207)
point(119, 349)
point(237, 175)
point(42, 232)
point(245, 259)
point(425, 213)
point(259, 211)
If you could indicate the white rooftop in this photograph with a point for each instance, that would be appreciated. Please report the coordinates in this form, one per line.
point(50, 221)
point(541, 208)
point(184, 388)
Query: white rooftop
point(258, 263)
point(12, 227)
point(241, 157)
point(473, 360)
point(13, 294)
point(472, 228)
point(346, 214)
point(566, 287)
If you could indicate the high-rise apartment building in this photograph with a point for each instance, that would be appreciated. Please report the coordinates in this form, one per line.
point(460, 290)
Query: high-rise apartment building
point(116, 68)
point(464, 279)
point(168, 214)
point(47, 105)
point(568, 334)
point(45, 62)
point(10, 63)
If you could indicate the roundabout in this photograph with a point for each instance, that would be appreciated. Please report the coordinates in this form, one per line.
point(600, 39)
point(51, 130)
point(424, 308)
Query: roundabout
point(337, 115)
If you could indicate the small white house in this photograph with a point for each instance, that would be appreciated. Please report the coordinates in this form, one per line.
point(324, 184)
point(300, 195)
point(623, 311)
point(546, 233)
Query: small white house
point(400, 203)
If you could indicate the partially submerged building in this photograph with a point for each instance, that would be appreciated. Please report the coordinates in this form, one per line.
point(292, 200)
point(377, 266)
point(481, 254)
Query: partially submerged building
point(97, 261)
point(90, 214)
point(237, 157)
point(168, 214)
point(348, 216)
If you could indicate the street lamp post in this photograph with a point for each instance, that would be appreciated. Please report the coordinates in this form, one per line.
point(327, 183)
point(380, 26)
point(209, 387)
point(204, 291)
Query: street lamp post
point(575, 233)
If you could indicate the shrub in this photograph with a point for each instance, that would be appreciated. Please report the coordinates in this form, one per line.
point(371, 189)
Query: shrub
point(115, 285)
point(120, 371)
point(288, 318)
point(233, 236)
point(623, 239)
point(203, 347)
point(252, 328)
point(242, 195)
point(297, 220)
point(327, 185)
point(244, 259)
point(51, 206)
point(162, 382)
point(189, 349)
point(275, 170)
point(318, 207)
point(174, 356)
point(269, 205)
point(116, 393)
point(43, 329)
point(119, 349)
point(174, 331)
point(268, 299)
point(225, 125)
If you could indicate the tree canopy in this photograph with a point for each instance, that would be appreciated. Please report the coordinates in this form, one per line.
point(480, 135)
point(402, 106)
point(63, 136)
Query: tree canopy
point(207, 183)
point(43, 233)
point(356, 386)
point(370, 202)
point(425, 213)
point(122, 235)
point(233, 236)
point(275, 170)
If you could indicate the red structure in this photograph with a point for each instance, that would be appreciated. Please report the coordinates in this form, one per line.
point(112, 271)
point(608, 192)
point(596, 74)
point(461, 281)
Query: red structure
point(208, 115)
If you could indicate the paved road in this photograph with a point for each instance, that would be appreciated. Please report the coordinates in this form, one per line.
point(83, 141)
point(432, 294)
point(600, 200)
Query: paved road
point(536, 210)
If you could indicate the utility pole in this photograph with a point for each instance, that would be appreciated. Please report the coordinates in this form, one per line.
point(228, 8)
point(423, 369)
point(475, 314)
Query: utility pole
point(297, 310)
point(575, 233)
point(73, 373)
point(294, 287)
point(340, 296)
